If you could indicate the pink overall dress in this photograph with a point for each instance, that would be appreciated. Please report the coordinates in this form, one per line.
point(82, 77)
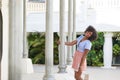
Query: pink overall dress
point(77, 60)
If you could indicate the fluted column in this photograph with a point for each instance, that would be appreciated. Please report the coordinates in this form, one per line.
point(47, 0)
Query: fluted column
point(26, 62)
point(49, 41)
point(25, 44)
point(1, 27)
point(15, 39)
point(107, 49)
point(5, 38)
point(70, 30)
point(74, 25)
point(1, 37)
point(62, 66)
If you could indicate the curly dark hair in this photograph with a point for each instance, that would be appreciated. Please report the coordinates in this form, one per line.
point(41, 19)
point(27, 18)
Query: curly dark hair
point(94, 35)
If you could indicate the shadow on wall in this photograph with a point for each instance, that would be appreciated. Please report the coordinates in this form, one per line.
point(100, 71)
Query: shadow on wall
point(0, 41)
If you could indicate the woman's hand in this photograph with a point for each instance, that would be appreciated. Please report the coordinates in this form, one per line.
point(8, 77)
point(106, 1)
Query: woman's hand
point(58, 42)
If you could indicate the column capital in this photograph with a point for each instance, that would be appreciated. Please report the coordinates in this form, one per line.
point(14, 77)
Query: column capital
point(108, 34)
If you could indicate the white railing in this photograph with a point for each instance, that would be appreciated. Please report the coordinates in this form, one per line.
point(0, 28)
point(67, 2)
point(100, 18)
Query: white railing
point(105, 3)
point(40, 7)
point(35, 7)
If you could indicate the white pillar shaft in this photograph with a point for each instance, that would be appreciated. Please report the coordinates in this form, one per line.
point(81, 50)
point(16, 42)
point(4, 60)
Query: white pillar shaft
point(1, 37)
point(16, 38)
point(4, 63)
point(74, 24)
point(49, 42)
point(25, 44)
point(25, 62)
point(108, 50)
point(70, 28)
point(62, 65)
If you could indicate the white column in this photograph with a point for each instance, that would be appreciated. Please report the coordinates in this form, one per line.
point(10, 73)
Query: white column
point(15, 39)
point(27, 66)
point(25, 44)
point(49, 42)
point(1, 37)
point(1, 26)
point(107, 49)
point(70, 28)
point(74, 25)
point(62, 66)
point(5, 17)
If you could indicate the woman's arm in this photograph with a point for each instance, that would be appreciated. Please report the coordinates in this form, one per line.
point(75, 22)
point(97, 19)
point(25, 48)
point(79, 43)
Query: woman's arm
point(71, 43)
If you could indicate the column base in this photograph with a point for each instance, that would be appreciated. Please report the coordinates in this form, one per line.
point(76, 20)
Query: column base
point(62, 69)
point(27, 66)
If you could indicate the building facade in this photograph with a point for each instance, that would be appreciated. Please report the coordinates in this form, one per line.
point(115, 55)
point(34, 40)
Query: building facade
point(13, 37)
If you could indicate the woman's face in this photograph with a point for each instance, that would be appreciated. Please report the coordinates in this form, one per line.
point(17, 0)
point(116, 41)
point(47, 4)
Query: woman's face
point(88, 34)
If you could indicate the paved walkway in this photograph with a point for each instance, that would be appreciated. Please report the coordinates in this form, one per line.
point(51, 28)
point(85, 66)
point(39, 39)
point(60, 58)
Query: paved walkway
point(95, 73)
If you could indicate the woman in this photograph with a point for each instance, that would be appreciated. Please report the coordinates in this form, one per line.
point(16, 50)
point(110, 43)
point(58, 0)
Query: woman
point(83, 47)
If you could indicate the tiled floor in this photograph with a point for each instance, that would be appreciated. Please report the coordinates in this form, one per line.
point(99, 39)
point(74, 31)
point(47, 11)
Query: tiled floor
point(95, 73)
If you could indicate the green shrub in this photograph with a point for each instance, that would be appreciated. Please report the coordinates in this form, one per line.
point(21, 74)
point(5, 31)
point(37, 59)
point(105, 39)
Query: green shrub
point(36, 42)
point(95, 56)
point(116, 45)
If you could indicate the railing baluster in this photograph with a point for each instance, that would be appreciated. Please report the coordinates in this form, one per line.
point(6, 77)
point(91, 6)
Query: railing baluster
point(105, 3)
point(35, 7)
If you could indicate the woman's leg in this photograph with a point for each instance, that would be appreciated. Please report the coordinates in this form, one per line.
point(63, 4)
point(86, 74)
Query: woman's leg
point(75, 75)
point(78, 75)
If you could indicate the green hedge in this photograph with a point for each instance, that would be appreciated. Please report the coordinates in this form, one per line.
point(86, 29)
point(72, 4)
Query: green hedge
point(36, 42)
point(95, 56)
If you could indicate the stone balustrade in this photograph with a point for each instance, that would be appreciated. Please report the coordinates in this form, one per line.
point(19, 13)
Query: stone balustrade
point(104, 3)
point(40, 7)
point(35, 7)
